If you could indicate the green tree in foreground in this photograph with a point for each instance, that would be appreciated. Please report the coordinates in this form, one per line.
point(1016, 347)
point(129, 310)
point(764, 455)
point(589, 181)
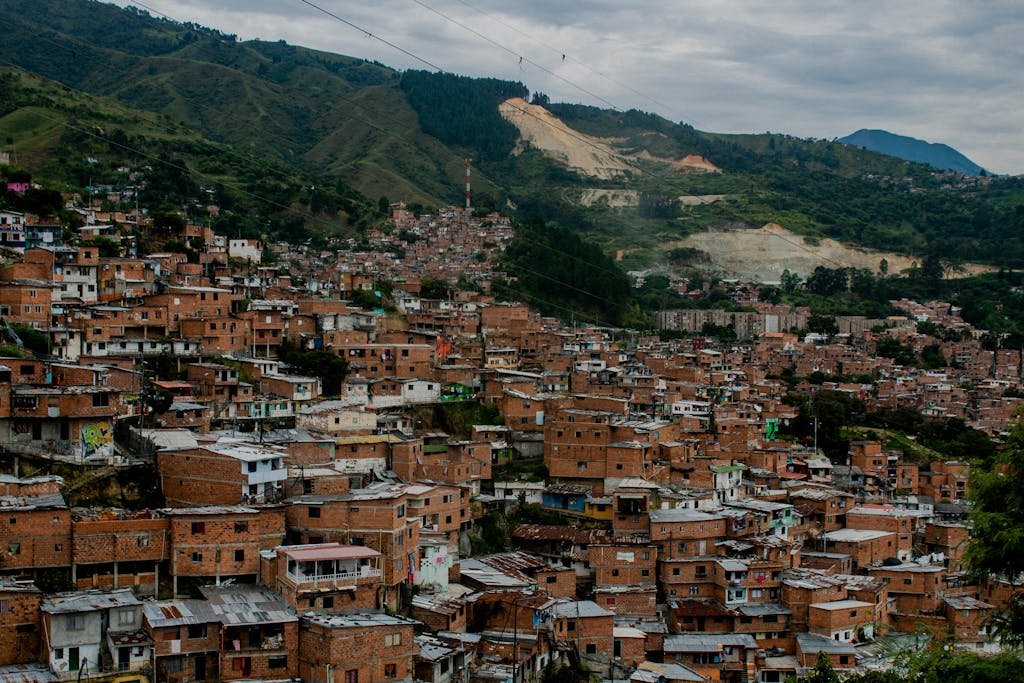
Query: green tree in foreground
point(997, 536)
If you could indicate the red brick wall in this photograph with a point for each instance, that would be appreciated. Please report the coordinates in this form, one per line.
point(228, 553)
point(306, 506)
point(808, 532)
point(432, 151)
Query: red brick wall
point(621, 565)
point(41, 538)
point(120, 540)
point(19, 626)
point(217, 541)
point(198, 477)
point(260, 659)
point(360, 649)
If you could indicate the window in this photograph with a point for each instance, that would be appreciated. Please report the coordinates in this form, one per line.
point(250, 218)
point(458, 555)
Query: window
point(571, 626)
point(844, 659)
point(5, 606)
point(100, 400)
point(400, 511)
point(239, 556)
point(313, 512)
point(14, 548)
point(125, 618)
point(694, 590)
point(392, 639)
point(352, 676)
point(196, 631)
point(328, 602)
point(591, 648)
point(278, 662)
point(551, 579)
point(198, 528)
point(241, 527)
point(75, 622)
point(390, 670)
point(675, 571)
point(197, 557)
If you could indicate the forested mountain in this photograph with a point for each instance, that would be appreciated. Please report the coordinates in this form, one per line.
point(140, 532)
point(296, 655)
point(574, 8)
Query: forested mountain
point(357, 127)
point(934, 154)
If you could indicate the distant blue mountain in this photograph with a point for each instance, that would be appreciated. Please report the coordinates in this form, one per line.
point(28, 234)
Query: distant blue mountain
point(932, 153)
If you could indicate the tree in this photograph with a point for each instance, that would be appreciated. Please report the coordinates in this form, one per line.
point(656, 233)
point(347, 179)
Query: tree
point(431, 288)
point(329, 368)
point(822, 671)
point(823, 324)
point(997, 536)
point(790, 282)
point(108, 248)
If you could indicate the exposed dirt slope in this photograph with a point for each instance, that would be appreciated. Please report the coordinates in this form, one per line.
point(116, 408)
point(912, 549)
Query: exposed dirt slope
point(763, 253)
point(545, 131)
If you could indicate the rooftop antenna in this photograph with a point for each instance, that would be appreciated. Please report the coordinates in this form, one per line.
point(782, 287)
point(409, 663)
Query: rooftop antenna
point(469, 191)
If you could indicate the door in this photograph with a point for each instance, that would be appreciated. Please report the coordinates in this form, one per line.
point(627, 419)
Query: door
point(73, 658)
point(123, 658)
point(199, 668)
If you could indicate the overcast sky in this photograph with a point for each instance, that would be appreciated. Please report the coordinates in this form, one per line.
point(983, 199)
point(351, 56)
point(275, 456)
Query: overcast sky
point(944, 70)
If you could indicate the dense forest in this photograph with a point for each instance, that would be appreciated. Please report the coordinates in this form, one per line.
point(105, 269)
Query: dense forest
point(559, 273)
point(463, 111)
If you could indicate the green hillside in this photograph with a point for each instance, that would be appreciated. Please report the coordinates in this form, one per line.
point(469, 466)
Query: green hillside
point(328, 113)
point(70, 140)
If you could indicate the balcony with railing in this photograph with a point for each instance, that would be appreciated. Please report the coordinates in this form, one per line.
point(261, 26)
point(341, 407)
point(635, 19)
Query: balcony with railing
point(331, 564)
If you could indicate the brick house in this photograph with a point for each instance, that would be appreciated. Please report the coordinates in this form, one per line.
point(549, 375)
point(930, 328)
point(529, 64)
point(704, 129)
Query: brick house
point(361, 647)
point(221, 542)
point(913, 588)
point(35, 527)
point(325, 576)
point(114, 548)
point(840, 655)
point(260, 633)
point(722, 657)
point(845, 621)
point(865, 547)
point(376, 517)
point(186, 638)
point(584, 626)
point(227, 471)
point(19, 622)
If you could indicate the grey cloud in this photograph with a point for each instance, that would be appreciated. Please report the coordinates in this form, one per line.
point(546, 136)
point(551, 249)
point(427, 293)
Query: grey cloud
point(943, 70)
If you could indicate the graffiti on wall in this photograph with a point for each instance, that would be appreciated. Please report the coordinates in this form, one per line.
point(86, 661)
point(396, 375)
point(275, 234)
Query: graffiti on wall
point(97, 440)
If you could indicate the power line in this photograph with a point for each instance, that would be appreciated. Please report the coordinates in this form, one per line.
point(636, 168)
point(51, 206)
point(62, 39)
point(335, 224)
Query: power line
point(370, 34)
point(568, 57)
point(522, 58)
